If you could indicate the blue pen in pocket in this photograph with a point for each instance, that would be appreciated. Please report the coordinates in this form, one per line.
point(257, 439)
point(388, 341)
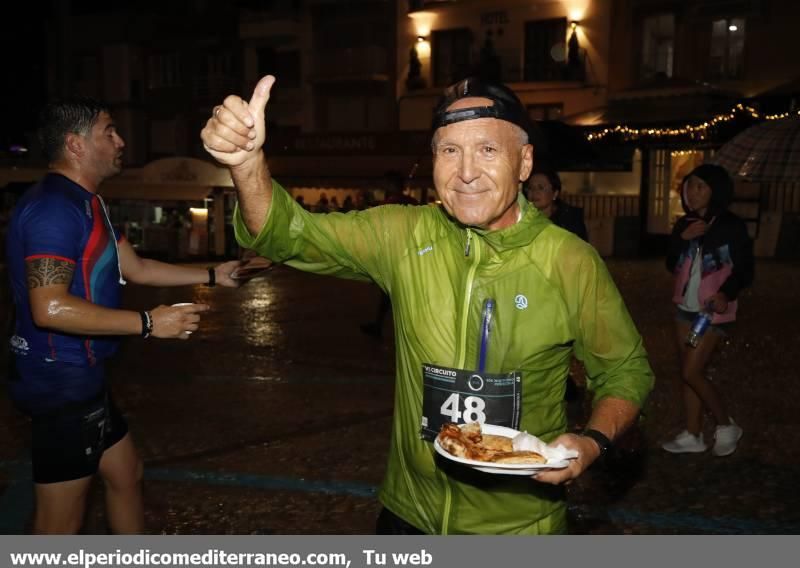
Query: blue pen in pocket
point(486, 330)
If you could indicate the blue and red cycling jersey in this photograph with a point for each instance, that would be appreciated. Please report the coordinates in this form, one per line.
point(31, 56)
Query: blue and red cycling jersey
point(59, 219)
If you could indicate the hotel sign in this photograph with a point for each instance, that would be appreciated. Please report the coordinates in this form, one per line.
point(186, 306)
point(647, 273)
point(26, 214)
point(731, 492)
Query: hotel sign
point(497, 18)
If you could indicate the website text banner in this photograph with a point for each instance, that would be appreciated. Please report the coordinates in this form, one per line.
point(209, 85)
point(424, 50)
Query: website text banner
point(384, 551)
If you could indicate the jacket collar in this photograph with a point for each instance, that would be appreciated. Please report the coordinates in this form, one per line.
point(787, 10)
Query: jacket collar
point(520, 234)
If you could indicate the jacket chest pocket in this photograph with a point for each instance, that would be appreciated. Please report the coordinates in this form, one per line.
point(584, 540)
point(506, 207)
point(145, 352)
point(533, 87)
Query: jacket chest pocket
point(530, 330)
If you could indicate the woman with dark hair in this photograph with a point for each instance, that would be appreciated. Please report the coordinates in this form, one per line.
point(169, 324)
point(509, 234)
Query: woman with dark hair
point(711, 256)
point(544, 188)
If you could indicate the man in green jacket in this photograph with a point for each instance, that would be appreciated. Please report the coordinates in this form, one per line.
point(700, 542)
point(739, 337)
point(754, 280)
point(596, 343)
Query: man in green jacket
point(485, 255)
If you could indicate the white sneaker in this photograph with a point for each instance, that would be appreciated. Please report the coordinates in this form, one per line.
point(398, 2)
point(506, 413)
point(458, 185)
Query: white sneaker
point(685, 443)
point(726, 438)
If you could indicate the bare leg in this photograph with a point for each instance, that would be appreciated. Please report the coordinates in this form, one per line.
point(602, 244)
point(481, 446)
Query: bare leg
point(60, 506)
point(691, 402)
point(693, 374)
point(121, 470)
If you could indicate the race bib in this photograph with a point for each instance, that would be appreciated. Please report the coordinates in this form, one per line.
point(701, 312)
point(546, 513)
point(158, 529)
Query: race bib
point(461, 396)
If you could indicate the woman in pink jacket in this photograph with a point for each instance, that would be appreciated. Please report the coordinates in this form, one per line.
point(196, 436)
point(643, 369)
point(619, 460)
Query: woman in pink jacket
point(711, 256)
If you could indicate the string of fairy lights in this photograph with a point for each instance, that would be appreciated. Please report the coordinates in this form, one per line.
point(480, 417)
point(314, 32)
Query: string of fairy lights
point(697, 131)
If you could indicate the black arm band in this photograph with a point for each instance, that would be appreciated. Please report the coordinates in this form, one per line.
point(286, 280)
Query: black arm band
point(212, 277)
point(147, 324)
point(600, 439)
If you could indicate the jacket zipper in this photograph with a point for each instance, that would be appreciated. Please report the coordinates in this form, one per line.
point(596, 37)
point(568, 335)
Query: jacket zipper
point(462, 350)
point(462, 339)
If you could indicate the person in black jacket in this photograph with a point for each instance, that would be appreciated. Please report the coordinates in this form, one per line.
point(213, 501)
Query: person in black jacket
point(544, 189)
point(711, 256)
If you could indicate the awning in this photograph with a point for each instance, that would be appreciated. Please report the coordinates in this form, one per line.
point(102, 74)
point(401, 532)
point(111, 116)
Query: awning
point(659, 102)
point(653, 112)
point(780, 98)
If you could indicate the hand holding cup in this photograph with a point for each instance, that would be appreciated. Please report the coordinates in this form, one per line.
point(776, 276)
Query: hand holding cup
point(177, 321)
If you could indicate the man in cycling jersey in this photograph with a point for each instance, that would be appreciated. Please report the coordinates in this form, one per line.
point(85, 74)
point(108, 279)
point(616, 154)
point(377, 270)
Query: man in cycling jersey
point(67, 266)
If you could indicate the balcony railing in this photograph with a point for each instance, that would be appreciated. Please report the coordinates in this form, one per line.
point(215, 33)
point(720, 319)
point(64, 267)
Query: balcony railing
point(598, 205)
point(512, 68)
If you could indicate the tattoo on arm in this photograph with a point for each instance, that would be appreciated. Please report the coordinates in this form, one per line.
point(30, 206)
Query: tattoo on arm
point(48, 272)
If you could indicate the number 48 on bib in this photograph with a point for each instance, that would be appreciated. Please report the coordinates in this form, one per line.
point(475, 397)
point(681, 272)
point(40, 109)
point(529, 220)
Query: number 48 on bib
point(461, 396)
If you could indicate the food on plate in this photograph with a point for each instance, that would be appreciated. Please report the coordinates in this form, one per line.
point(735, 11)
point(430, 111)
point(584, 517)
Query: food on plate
point(499, 443)
point(519, 457)
point(464, 443)
point(469, 443)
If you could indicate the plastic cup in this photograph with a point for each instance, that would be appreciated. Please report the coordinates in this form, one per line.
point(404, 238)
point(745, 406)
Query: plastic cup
point(184, 304)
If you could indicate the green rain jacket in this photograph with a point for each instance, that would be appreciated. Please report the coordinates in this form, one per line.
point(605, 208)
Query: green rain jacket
point(438, 273)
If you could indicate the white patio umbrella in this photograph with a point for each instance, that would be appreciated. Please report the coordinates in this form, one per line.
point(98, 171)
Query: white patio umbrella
point(766, 152)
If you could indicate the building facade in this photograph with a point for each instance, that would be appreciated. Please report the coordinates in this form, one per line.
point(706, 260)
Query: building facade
point(357, 82)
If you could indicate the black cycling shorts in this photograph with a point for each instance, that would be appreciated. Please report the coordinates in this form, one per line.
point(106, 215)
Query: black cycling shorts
point(67, 442)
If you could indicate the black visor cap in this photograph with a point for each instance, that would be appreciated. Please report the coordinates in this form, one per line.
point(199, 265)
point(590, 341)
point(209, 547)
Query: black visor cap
point(505, 104)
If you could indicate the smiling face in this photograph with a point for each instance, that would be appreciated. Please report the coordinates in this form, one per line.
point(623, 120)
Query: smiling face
point(698, 195)
point(478, 165)
point(103, 157)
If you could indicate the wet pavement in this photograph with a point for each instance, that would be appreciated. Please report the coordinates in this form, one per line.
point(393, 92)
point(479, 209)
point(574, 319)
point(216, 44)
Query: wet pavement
point(275, 417)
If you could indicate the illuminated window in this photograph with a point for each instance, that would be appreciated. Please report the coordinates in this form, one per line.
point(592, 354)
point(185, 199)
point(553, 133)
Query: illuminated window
point(658, 219)
point(727, 48)
point(658, 45)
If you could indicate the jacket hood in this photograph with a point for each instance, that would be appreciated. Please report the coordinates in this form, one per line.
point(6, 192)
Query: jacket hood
point(721, 186)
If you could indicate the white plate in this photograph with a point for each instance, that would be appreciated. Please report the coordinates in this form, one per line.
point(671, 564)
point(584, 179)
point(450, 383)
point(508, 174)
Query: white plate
point(500, 468)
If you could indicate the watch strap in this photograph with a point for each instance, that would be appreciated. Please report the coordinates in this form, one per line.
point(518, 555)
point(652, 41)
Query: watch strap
point(600, 439)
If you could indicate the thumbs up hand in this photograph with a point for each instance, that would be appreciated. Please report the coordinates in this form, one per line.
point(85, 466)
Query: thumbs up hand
point(236, 131)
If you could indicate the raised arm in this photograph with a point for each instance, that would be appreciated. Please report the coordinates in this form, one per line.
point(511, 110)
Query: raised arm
point(234, 136)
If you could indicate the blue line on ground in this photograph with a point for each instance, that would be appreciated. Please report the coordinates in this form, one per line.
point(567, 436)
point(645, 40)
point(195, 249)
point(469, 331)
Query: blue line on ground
point(263, 482)
point(16, 503)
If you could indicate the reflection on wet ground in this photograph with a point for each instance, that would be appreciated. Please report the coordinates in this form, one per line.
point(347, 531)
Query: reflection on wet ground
point(275, 417)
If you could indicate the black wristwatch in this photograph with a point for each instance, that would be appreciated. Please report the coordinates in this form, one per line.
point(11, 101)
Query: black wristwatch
point(600, 439)
point(212, 277)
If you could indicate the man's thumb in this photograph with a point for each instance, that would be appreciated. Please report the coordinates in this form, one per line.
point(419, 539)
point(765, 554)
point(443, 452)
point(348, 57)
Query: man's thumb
point(261, 94)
